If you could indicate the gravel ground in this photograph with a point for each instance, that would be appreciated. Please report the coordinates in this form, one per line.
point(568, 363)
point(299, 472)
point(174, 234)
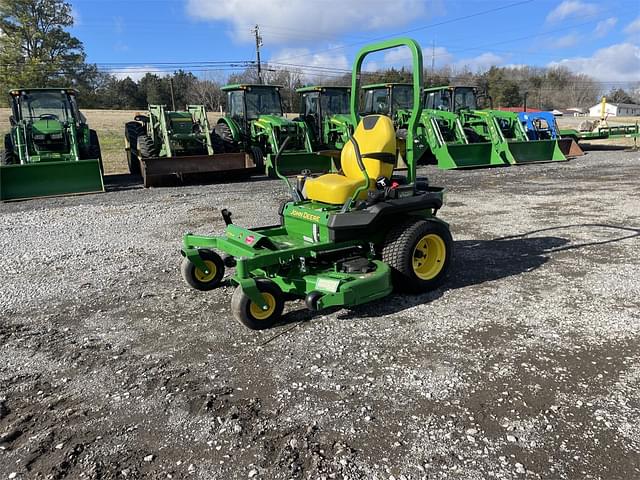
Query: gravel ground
point(526, 365)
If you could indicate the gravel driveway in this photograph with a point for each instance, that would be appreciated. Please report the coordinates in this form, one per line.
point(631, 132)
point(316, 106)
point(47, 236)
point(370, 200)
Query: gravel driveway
point(526, 365)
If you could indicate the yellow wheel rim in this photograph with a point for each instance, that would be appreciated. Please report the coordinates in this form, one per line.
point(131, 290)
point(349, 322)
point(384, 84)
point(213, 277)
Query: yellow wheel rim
point(206, 277)
point(260, 314)
point(429, 256)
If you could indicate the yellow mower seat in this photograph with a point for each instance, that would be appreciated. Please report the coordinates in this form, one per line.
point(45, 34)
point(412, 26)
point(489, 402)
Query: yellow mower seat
point(375, 136)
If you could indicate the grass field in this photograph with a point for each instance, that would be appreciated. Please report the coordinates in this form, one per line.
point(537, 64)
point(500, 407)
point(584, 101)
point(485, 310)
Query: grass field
point(110, 126)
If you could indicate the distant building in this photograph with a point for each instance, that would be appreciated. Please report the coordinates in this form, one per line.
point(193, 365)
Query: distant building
point(616, 110)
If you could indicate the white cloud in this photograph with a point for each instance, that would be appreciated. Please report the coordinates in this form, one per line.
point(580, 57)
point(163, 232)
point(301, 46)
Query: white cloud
point(299, 20)
point(481, 62)
point(77, 18)
point(401, 57)
point(136, 73)
point(570, 8)
point(316, 65)
point(619, 62)
point(633, 27)
point(566, 41)
point(605, 26)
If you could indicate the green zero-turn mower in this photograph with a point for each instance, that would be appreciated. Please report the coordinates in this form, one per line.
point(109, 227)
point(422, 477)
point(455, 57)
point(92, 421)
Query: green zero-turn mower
point(170, 147)
point(255, 123)
point(50, 149)
point(345, 238)
point(325, 111)
point(502, 129)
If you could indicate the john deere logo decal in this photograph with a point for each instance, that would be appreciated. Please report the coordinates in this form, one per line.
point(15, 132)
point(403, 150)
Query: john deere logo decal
point(305, 215)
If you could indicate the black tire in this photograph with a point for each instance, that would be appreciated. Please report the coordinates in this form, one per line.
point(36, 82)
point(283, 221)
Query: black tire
point(94, 151)
point(217, 143)
point(258, 158)
point(245, 311)
point(146, 147)
point(132, 130)
point(473, 136)
point(198, 279)
point(404, 248)
point(223, 131)
point(7, 156)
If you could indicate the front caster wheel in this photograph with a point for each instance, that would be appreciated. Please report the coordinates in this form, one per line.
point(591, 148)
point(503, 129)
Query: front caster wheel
point(200, 280)
point(250, 314)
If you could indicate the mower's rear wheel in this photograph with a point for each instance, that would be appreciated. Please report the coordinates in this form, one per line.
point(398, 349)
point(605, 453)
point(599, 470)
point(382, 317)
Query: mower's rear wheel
point(419, 253)
point(250, 314)
point(199, 280)
point(94, 151)
point(146, 147)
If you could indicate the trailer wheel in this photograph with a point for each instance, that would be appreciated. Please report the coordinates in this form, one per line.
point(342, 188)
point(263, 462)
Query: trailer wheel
point(252, 316)
point(199, 280)
point(146, 147)
point(419, 253)
point(132, 131)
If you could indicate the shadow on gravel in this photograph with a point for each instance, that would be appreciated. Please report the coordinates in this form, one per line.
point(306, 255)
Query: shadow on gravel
point(480, 261)
point(605, 148)
point(121, 182)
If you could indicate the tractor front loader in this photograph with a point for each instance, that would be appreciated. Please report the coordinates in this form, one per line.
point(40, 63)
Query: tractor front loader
point(173, 147)
point(50, 149)
point(255, 123)
point(543, 126)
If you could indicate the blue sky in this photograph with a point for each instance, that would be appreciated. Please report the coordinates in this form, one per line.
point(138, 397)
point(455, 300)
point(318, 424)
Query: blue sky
point(321, 36)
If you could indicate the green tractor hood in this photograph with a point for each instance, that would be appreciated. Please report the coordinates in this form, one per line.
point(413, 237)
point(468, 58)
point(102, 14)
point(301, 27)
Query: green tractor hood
point(274, 121)
point(47, 127)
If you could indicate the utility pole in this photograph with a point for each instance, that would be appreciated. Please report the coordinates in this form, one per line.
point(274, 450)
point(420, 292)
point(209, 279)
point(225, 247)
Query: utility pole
point(256, 32)
point(173, 98)
point(433, 58)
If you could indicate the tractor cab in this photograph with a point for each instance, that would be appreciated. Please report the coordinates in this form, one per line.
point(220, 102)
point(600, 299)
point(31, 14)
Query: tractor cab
point(394, 100)
point(325, 111)
point(46, 116)
point(451, 99)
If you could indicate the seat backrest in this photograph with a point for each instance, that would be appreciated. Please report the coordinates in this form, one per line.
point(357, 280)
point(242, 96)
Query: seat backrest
point(374, 134)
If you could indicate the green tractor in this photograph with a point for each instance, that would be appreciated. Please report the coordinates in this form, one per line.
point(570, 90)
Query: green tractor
point(255, 123)
point(325, 111)
point(169, 147)
point(50, 149)
point(345, 238)
point(502, 129)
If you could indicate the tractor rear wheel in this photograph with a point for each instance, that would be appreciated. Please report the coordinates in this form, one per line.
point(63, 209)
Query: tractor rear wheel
point(7, 156)
point(94, 151)
point(146, 147)
point(419, 253)
point(132, 130)
point(223, 131)
point(250, 314)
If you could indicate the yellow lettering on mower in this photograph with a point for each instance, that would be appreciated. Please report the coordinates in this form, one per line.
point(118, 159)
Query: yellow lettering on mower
point(305, 215)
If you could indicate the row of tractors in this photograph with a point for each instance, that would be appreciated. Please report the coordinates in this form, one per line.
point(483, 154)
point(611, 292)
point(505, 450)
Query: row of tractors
point(51, 150)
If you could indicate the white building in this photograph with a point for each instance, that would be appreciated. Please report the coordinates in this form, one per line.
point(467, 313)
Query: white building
point(616, 110)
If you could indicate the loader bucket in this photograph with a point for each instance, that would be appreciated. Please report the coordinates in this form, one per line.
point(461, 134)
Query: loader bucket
point(193, 169)
point(48, 179)
point(472, 155)
point(534, 151)
point(292, 163)
point(570, 147)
